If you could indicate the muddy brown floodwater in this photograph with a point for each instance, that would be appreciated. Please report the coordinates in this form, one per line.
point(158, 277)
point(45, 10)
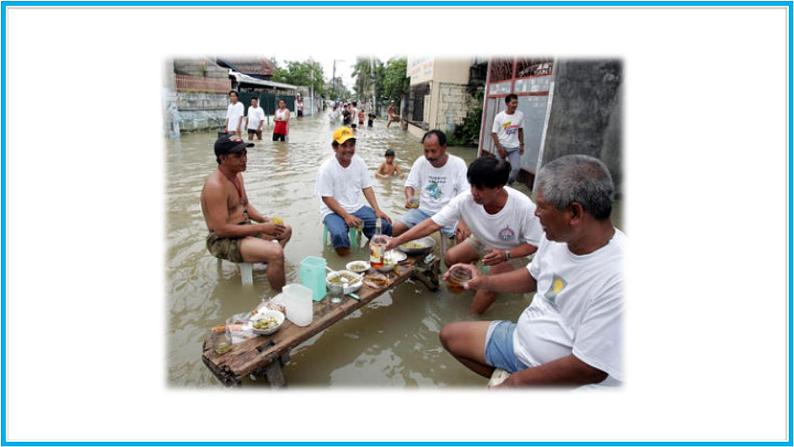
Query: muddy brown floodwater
point(392, 342)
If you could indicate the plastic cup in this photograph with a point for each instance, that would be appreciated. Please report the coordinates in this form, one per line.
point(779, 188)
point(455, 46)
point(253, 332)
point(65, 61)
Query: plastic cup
point(335, 292)
point(456, 278)
point(414, 202)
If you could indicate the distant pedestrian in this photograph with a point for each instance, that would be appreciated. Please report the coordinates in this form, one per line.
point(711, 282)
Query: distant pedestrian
point(256, 120)
point(361, 116)
point(281, 122)
point(346, 115)
point(392, 111)
point(234, 115)
point(353, 115)
point(371, 119)
point(299, 107)
point(508, 135)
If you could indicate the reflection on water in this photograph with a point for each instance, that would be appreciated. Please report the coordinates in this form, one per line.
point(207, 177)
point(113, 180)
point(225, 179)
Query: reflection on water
point(391, 342)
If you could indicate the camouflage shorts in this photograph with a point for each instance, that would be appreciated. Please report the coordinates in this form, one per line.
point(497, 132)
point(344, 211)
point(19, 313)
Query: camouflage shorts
point(227, 248)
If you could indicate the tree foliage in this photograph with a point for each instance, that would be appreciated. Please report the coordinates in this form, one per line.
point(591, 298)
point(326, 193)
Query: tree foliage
point(368, 73)
point(307, 73)
point(395, 82)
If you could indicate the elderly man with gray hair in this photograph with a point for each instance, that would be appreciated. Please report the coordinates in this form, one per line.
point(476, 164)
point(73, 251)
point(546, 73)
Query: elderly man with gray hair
point(571, 333)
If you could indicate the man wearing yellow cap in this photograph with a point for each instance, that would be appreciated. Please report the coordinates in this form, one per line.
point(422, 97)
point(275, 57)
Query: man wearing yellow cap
point(340, 182)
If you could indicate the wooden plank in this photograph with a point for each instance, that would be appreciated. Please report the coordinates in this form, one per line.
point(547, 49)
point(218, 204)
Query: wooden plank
point(253, 356)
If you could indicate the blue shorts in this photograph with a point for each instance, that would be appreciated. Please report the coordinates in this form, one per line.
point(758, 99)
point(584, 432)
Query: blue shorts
point(416, 216)
point(499, 351)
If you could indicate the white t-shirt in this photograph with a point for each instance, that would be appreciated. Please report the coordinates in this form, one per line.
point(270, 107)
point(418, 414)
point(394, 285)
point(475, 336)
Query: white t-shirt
point(578, 308)
point(255, 116)
point(513, 225)
point(343, 184)
point(437, 186)
point(233, 113)
point(506, 128)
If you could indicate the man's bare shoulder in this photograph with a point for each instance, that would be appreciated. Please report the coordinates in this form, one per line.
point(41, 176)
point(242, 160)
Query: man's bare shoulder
point(213, 182)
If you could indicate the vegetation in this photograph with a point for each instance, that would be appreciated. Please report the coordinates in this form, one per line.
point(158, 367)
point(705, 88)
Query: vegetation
point(468, 132)
point(395, 82)
point(307, 73)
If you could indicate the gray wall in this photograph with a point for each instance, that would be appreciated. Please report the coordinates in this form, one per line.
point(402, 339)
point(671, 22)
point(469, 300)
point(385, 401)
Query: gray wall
point(586, 115)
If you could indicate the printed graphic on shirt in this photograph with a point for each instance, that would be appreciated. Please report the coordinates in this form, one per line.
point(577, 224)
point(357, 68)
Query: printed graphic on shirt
point(433, 190)
point(507, 234)
point(557, 285)
point(509, 128)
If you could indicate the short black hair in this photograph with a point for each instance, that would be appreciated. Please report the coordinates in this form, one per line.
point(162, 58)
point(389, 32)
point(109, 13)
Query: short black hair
point(441, 136)
point(488, 172)
point(389, 153)
point(354, 103)
point(511, 97)
point(235, 93)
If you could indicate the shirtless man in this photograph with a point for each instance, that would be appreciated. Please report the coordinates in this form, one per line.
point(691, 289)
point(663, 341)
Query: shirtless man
point(238, 233)
point(389, 168)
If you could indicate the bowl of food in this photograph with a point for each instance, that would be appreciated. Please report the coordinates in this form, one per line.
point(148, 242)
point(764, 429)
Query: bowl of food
point(421, 246)
point(350, 281)
point(357, 266)
point(266, 322)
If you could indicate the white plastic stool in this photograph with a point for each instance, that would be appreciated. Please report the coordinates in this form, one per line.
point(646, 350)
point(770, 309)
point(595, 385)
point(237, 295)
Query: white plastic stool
point(246, 271)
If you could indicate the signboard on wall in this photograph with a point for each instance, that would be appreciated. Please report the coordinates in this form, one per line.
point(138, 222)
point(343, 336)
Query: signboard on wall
point(420, 69)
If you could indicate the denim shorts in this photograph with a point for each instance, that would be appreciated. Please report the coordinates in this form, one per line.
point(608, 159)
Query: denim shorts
point(499, 351)
point(416, 216)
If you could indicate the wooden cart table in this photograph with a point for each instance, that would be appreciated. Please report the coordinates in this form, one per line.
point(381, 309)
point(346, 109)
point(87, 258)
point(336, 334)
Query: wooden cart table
point(264, 356)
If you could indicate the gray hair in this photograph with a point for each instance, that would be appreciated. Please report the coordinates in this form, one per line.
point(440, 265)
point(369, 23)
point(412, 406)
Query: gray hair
point(578, 178)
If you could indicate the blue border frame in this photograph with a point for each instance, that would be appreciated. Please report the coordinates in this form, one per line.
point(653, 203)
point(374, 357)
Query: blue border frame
point(297, 3)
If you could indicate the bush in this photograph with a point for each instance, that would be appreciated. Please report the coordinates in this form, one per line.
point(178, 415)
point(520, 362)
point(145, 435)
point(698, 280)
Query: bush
point(468, 132)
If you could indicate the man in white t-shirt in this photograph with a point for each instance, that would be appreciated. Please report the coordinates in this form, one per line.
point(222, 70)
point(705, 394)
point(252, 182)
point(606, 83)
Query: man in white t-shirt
point(234, 115)
point(340, 182)
point(571, 334)
point(438, 176)
point(501, 220)
point(256, 120)
point(508, 135)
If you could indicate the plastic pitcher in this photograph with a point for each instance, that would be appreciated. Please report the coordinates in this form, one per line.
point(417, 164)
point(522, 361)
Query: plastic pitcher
point(298, 300)
point(312, 275)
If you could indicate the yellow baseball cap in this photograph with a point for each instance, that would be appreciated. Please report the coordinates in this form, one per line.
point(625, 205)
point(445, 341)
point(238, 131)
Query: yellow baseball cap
point(343, 134)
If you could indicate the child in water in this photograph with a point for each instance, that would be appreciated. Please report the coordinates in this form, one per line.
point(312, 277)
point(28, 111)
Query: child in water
point(389, 168)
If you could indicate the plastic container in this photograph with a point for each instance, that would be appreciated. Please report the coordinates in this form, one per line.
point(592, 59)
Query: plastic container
point(312, 275)
point(298, 301)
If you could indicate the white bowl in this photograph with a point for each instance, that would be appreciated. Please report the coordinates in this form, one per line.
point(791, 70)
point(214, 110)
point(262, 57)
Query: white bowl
point(267, 313)
point(351, 286)
point(357, 265)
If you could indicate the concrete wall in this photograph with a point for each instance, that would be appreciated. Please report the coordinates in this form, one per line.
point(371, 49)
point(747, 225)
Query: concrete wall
point(201, 111)
point(586, 116)
point(450, 107)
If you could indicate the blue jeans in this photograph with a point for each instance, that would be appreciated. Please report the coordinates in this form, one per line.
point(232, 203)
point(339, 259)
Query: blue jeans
point(514, 157)
point(499, 351)
point(415, 216)
point(338, 228)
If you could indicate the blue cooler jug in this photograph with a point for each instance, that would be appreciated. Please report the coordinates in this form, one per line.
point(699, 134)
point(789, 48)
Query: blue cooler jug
point(312, 275)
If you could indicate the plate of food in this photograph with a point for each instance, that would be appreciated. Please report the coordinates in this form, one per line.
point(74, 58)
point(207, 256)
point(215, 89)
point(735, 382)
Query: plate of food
point(421, 246)
point(376, 281)
point(350, 281)
point(266, 322)
point(357, 266)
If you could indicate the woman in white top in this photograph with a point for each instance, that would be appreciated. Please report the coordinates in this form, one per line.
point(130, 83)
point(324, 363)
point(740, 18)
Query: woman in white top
point(281, 122)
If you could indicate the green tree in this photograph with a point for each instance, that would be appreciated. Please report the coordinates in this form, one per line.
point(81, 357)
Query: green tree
point(395, 82)
point(307, 73)
point(368, 73)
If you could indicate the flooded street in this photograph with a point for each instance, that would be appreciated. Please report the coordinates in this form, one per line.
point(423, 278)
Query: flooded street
point(391, 342)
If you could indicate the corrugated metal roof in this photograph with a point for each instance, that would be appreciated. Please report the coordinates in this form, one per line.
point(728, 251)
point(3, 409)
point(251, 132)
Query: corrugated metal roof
point(245, 79)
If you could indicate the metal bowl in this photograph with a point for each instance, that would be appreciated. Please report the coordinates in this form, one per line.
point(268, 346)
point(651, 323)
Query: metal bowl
point(421, 246)
point(351, 286)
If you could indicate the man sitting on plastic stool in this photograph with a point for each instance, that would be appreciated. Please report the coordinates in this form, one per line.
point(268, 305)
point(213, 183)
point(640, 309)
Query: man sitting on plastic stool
point(238, 233)
point(340, 182)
